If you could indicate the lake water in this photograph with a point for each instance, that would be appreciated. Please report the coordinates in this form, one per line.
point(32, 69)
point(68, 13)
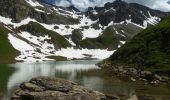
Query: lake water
point(83, 72)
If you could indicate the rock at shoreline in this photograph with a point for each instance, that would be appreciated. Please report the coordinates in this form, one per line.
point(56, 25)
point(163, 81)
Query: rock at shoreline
point(45, 88)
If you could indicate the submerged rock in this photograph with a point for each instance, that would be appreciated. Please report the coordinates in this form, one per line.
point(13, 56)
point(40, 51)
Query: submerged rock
point(45, 88)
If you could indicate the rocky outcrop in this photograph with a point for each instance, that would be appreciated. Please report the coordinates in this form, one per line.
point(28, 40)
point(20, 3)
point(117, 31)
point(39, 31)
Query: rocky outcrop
point(44, 88)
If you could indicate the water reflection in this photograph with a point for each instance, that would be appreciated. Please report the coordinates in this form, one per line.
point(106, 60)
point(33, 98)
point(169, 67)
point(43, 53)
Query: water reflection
point(83, 72)
point(26, 71)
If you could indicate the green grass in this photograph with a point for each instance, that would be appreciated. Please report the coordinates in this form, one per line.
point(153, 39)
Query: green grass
point(5, 73)
point(152, 45)
point(7, 52)
point(38, 30)
point(109, 39)
point(76, 36)
point(90, 43)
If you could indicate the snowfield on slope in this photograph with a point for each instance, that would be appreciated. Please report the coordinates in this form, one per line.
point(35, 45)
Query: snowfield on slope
point(29, 52)
point(33, 48)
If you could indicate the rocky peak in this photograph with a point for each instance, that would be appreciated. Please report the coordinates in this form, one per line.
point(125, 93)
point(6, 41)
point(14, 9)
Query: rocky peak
point(19, 10)
point(119, 11)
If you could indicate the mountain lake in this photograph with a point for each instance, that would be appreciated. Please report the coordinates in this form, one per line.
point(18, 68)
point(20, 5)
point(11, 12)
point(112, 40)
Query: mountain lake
point(84, 72)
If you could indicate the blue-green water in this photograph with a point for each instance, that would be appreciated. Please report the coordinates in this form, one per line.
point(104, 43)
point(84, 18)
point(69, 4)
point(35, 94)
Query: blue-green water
point(83, 72)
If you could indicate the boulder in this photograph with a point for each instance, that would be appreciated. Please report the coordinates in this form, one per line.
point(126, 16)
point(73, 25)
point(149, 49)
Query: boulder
point(45, 88)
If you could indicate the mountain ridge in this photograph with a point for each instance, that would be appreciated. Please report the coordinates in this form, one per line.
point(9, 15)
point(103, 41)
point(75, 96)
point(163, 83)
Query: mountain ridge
point(95, 38)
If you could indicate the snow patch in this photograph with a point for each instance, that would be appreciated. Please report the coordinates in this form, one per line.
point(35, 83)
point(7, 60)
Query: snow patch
point(123, 42)
point(38, 10)
point(67, 13)
point(80, 53)
point(19, 44)
point(129, 21)
point(153, 20)
point(34, 3)
point(38, 49)
point(62, 29)
point(8, 21)
point(91, 33)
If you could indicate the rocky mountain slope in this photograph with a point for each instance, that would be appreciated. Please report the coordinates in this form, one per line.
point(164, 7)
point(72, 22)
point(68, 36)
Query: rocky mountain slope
point(36, 29)
point(146, 55)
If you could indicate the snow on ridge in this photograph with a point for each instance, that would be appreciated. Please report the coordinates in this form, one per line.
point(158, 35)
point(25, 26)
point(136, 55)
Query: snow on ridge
point(8, 21)
point(67, 29)
point(39, 10)
point(84, 21)
point(62, 29)
point(67, 13)
point(34, 3)
point(94, 12)
point(129, 21)
point(123, 42)
point(153, 20)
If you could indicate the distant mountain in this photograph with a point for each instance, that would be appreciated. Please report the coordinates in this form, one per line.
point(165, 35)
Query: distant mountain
point(128, 19)
point(37, 29)
point(119, 11)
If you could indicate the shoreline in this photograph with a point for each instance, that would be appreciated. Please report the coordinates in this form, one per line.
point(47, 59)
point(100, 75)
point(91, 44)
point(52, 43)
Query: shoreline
point(133, 74)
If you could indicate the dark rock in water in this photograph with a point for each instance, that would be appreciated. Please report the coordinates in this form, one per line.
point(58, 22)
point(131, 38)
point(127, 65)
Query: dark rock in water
point(44, 88)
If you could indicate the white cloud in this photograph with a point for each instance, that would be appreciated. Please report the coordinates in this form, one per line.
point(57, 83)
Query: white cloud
point(155, 4)
point(64, 3)
point(161, 5)
point(84, 4)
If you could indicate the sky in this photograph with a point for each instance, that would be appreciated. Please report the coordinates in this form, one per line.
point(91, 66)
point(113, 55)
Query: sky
point(84, 4)
point(155, 4)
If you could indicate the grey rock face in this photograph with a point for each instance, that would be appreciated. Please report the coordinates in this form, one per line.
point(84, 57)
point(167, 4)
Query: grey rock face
point(44, 88)
point(118, 11)
point(20, 9)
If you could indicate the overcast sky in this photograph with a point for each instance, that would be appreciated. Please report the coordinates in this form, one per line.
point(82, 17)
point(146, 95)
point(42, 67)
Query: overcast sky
point(83, 4)
point(155, 4)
